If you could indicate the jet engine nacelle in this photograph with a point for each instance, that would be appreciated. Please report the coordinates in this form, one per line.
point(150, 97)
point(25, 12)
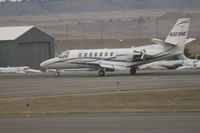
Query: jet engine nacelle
point(139, 55)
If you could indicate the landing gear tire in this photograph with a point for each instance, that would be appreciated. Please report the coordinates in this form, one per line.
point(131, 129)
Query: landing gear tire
point(101, 73)
point(133, 71)
point(57, 74)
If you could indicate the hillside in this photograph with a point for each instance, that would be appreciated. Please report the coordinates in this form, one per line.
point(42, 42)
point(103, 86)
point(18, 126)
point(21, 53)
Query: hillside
point(37, 7)
point(97, 19)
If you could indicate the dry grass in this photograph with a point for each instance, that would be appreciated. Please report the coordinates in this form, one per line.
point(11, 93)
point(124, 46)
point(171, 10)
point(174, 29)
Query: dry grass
point(116, 24)
point(151, 101)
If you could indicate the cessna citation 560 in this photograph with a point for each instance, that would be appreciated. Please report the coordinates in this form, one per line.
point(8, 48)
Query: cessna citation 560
point(123, 58)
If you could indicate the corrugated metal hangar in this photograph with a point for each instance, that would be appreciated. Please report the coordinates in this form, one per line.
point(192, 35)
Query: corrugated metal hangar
point(24, 46)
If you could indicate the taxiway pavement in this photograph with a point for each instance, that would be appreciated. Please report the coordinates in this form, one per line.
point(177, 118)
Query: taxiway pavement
point(103, 123)
point(17, 86)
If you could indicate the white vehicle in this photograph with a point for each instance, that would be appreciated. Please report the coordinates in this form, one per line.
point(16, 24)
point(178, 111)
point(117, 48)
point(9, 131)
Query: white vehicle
point(182, 63)
point(189, 63)
point(169, 64)
point(123, 58)
point(161, 65)
point(23, 69)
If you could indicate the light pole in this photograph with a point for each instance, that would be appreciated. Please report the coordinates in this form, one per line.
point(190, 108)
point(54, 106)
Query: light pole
point(101, 29)
point(157, 27)
point(67, 36)
point(84, 34)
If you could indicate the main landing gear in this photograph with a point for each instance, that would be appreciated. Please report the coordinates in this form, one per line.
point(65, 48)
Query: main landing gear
point(101, 73)
point(57, 73)
point(133, 71)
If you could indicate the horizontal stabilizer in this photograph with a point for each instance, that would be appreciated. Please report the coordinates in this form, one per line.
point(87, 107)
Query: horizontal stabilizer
point(190, 40)
point(159, 41)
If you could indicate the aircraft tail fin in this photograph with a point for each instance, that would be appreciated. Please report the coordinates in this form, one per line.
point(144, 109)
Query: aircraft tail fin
point(179, 32)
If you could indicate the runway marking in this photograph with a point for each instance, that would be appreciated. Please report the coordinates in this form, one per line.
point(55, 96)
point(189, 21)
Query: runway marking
point(111, 116)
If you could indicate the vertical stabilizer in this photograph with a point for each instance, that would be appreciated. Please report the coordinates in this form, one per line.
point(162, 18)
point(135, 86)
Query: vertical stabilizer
point(179, 32)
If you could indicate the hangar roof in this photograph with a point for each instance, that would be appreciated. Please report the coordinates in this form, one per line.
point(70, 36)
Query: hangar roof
point(12, 33)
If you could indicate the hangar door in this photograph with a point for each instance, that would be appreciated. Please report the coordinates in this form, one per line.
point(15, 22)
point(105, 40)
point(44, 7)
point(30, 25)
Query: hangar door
point(32, 54)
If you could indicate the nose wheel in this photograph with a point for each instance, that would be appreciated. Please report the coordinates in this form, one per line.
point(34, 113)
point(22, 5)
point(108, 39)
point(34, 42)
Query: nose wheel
point(101, 73)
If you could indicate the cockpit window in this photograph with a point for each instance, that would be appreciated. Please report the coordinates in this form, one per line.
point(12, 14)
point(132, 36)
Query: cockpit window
point(64, 55)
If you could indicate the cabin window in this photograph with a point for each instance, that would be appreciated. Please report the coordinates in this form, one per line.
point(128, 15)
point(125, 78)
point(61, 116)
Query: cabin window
point(85, 55)
point(100, 54)
point(111, 54)
point(90, 54)
point(95, 54)
point(106, 53)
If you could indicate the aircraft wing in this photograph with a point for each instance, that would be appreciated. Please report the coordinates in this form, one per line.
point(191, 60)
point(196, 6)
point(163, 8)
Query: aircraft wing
point(114, 67)
point(79, 69)
point(93, 64)
point(98, 64)
point(106, 66)
point(102, 64)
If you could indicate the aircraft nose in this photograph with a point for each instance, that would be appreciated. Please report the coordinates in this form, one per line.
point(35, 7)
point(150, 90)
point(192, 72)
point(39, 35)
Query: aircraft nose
point(43, 64)
point(48, 63)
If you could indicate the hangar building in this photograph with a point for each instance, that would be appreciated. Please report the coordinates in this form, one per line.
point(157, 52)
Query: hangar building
point(24, 46)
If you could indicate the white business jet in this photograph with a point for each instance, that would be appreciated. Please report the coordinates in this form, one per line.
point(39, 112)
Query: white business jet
point(123, 58)
point(189, 63)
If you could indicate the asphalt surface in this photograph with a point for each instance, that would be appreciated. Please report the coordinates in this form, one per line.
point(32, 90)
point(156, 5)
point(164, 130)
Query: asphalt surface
point(17, 86)
point(103, 123)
